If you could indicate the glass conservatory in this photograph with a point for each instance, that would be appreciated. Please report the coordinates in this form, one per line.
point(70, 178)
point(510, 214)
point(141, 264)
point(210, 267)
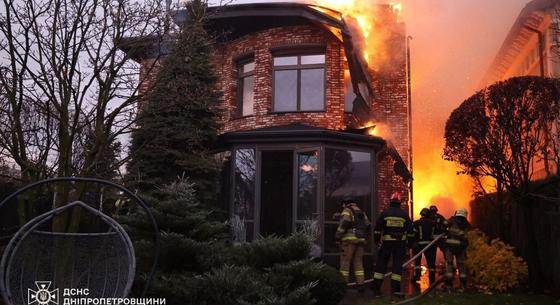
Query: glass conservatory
point(282, 177)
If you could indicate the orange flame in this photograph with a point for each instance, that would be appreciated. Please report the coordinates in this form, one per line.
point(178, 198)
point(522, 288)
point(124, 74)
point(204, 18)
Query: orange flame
point(397, 10)
point(435, 179)
point(378, 129)
point(365, 16)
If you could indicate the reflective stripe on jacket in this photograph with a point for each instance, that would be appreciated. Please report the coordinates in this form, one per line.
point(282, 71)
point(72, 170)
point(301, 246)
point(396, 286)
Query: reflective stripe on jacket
point(393, 224)
point(457, 231)
point(424, 230)
point(346, 228)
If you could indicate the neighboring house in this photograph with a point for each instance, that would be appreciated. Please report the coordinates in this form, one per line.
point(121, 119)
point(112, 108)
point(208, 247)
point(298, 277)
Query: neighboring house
point(298, 95)
point(530, 49)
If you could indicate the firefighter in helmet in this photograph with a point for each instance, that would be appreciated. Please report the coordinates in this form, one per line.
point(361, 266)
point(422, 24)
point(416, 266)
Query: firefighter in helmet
point(351, 235)
point(456, 247)
point(440, 225)
point(393, 229)
point(424, 229)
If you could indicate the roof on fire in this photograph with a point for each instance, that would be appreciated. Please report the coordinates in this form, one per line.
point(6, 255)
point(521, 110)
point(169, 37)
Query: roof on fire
point(530, 18)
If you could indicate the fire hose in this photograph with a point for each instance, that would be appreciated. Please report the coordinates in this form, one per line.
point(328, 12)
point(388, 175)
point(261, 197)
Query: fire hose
point(424, 293)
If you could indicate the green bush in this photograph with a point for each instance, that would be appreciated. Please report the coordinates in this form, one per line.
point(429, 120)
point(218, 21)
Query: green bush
point(329, 287)
point(493, 264)
point(269, 251)
point(237, 285)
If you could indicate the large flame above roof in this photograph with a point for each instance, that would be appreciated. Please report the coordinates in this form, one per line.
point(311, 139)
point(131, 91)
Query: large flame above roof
point(364, 15)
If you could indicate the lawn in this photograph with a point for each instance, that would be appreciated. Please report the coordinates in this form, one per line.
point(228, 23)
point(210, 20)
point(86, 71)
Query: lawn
point(462, 299)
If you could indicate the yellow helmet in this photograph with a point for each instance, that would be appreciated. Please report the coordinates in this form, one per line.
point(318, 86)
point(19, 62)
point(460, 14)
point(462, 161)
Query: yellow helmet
point(461, 212)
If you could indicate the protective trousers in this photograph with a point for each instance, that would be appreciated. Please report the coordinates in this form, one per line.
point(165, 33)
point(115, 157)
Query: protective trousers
point(397, 250)
point(430, 255)
point(460, 255)
point(352, 253)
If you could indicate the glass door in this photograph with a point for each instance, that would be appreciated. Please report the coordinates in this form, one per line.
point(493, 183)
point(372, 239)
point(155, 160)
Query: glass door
point(306, 188)
point(276, 189)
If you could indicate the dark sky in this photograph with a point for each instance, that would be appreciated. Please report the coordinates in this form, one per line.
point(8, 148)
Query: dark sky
point(454, 42)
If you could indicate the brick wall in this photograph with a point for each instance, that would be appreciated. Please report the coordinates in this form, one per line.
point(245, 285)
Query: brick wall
point(392, 108)
point(260, 44)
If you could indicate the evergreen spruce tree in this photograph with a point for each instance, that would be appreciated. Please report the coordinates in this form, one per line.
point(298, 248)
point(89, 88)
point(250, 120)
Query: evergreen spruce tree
point(178, 122)
point(189, 240)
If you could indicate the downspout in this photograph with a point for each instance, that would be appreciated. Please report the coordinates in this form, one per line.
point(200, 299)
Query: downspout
point(409, 94)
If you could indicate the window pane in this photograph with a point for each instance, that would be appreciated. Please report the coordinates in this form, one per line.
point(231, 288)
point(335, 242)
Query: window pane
point(248, 67)
point(313, 89)
point(308, 167)
point(250, 229)
point(244, 192)
point(313, 59)
point(285, 61)
point(248, 95)
point(347, 173)
point(285, 90)
point(349, 95)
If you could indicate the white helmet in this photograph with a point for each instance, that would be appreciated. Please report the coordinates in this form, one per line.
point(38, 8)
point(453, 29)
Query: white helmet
point(461, 212)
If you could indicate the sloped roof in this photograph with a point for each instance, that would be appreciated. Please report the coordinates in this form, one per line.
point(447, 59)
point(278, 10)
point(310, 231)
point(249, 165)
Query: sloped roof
point(301, 133)
point(520, 33)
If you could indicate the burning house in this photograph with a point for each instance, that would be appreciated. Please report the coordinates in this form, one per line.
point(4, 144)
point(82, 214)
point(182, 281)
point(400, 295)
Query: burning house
point(314, 114)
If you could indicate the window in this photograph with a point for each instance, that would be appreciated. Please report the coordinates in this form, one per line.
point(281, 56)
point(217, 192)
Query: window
point(244, 188)
point(347, 173)
point(308, 172)
point(245, 87)
point(299, 83)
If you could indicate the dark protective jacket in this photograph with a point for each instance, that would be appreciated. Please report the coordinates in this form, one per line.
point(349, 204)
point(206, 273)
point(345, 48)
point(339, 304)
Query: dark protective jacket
point(457, 228)
point(440, 223)
point(393, 224)
point(350, 228)
point(424, 230)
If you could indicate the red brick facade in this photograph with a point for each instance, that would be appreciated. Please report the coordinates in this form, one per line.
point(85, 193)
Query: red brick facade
point(392, 108)
point(260, 44)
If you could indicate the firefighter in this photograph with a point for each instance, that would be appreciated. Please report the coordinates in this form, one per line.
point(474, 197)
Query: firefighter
point(351, 235)
point(456, 247)
point(424, 229)
point(440, 225)
point(392, 230)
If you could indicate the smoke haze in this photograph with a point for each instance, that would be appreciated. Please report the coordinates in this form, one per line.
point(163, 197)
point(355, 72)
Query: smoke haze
point(454, 42)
